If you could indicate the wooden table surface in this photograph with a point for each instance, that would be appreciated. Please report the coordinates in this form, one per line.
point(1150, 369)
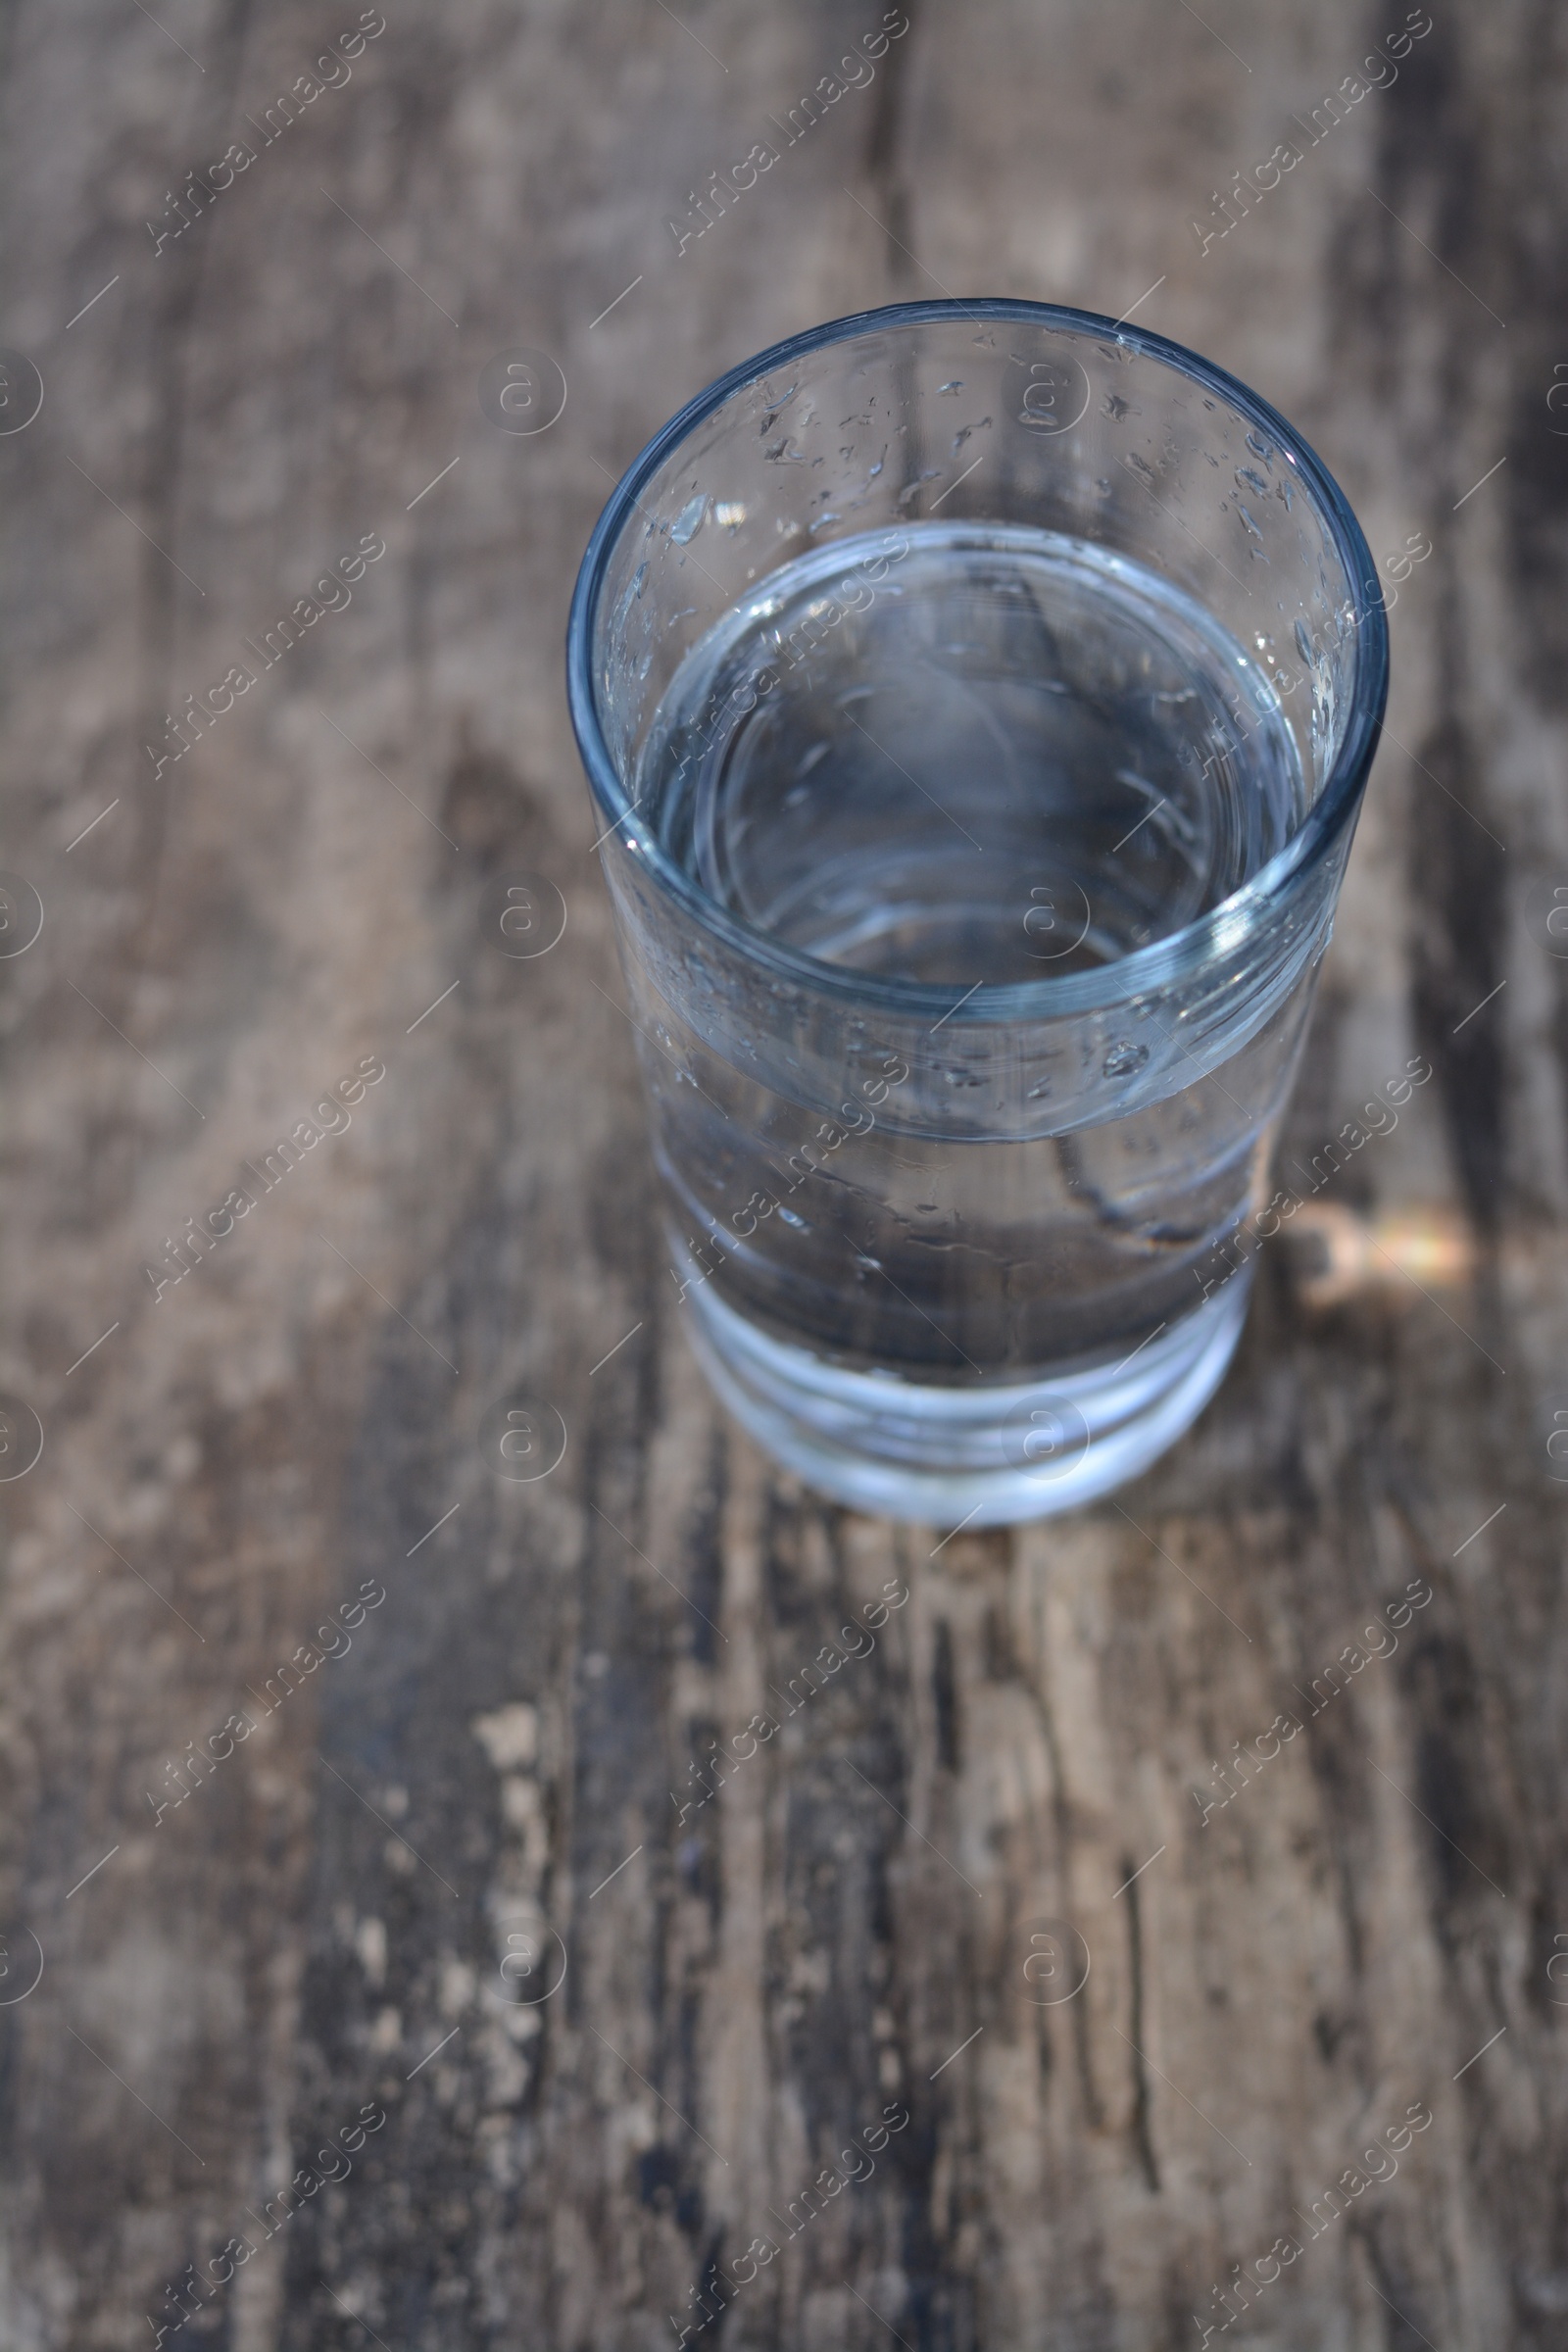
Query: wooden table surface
point(300, 2062)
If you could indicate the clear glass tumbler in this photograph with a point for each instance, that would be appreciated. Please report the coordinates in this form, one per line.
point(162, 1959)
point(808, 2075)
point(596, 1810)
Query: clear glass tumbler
point(977, 698)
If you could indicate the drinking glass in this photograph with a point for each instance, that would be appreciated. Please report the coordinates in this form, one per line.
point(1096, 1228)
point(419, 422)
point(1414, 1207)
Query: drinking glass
point(977, 700)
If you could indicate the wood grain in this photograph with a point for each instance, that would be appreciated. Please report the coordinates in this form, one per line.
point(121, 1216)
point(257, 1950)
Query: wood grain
point(316, 1929)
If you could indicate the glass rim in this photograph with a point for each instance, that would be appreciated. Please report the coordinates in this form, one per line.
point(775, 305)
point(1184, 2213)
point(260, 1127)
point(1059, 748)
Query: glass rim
point(1163, 962)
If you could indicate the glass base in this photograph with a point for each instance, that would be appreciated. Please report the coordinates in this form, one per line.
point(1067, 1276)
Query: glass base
point(984, 1456)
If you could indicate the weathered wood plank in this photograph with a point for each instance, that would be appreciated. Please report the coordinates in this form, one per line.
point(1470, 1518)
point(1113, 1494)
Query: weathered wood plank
point(316, 1929)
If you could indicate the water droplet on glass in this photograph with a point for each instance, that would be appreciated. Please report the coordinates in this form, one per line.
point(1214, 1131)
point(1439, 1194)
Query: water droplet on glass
point(776, 410)
point(689, 521)
point(628, 597)
point(1123, 1059)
